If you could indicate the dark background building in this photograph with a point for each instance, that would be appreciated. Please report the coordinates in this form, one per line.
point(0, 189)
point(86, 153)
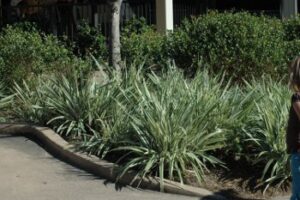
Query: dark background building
point(62, 16)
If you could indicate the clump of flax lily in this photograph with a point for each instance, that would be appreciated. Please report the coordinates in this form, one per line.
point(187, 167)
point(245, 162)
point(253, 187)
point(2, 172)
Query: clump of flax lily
point(266, 133)
point(171, 130)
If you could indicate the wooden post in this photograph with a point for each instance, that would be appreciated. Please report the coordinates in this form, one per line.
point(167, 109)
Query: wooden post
point(164, 15)
point(289, 8)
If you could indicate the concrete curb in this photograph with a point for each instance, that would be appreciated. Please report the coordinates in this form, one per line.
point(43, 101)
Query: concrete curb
point(62, 149)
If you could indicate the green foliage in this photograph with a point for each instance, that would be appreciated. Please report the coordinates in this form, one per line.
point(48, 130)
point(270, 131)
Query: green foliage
point(2, 90)
point(116, 125)
point(91, 41)
point(72, 104)
point(77, 105)
point(291, 28)
point(137, 26)
point(292, 51)
point(141, 43)
point(26, 54)
point(239, 43)
point(69, 105)
point(30, 103)
point(4, 98)
point(171, 130)
point(4, 102)
point(235, 107)
point(292, 38)
point(267, 129)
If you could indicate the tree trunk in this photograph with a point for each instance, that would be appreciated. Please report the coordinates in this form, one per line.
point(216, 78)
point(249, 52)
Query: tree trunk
point(115, 44)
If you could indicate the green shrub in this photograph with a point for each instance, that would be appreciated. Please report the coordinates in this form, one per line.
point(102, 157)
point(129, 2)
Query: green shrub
point(26, 54)
point(90, 40)
point(4, 102)
point(87, 102)
point(291, 29)
point(2, 90)
point(29, 104)
point(267, 129)
point(71, 106)
point(4, 98)
point(171, 127)
point(292, 39)
point(115, 127)
point(141, 43)
point(233, 115)
point(162, 125)
point(239, 43)
point(292, 51)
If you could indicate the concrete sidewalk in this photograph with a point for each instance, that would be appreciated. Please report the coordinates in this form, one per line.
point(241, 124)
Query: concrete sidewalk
point(282, 198)
point(28, 172)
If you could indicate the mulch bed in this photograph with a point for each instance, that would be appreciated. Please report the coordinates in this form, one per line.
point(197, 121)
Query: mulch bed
point(241, 182)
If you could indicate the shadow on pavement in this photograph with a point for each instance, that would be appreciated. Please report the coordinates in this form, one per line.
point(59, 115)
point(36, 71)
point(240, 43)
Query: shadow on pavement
point(73, 168)
point(228, 194)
